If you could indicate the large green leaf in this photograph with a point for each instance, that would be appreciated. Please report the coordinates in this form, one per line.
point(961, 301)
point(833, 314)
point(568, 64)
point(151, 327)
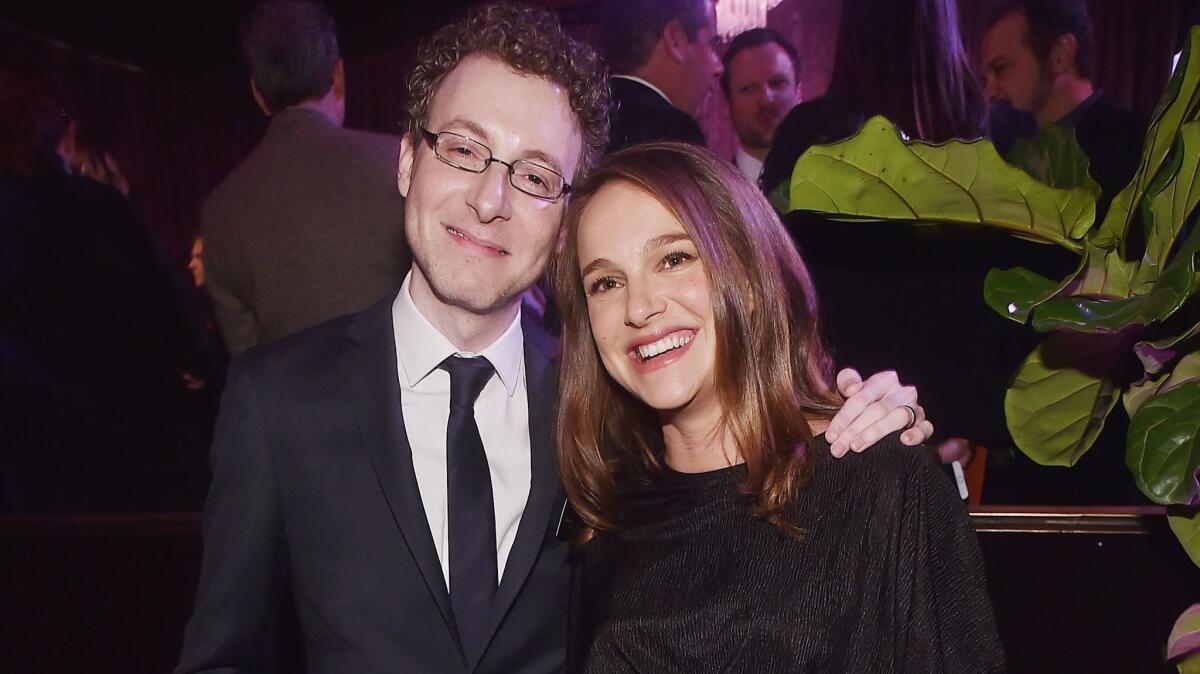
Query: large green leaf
point(1171, 203)
point(1163, 448)
point(1185, 522)
point(1053, 156)
point(1178, 105)
point(876, 175)
point(1184, 642)
point(1013, 293)
point(1104, 273)
point(1087, 314)
point(1187, 370)
point(1139, 392)
point(1061, 395)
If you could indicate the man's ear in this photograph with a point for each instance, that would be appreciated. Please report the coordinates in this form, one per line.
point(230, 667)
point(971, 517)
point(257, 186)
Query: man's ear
point(258, 98)
point(1062, 54)
point(675, 40)
point(339, 79)
point(404, 169)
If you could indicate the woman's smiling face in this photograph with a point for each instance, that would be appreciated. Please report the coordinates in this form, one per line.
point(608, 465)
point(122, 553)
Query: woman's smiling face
point(648, 300)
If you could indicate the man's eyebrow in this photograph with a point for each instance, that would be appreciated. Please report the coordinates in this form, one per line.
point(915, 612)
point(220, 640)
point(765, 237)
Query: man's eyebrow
point(476, 130)
point(469, 126)
point(992, 63)
point(540, 157)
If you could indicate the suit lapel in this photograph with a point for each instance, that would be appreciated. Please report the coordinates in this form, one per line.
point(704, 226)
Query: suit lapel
point(545, 492)
point(369, 373)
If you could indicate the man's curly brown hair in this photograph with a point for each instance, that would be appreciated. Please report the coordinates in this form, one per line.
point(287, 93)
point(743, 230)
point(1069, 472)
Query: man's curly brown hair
point(529, 40)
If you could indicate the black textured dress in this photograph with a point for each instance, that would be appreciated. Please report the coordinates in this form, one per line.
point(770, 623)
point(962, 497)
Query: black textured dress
point(888, 577)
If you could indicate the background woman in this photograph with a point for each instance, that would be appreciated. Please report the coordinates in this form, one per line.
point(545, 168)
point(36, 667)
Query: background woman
point(719, 535)
point(903, 59)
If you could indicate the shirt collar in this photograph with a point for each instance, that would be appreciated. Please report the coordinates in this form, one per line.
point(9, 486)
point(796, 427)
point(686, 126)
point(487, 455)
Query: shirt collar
point(635, 78)
point(1072, 118)
point(423, 347)
point(749, 165)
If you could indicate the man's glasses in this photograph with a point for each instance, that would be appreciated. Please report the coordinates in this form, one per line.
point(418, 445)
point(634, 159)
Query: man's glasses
point(469, 155)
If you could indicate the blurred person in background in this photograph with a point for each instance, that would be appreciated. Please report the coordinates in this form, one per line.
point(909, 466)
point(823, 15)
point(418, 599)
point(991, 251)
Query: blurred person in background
point(309, 226)
point(902, 59)
point(1037, 56)
point(761, 87)
point(662, 54)
point(85, 155)
point(93, 333)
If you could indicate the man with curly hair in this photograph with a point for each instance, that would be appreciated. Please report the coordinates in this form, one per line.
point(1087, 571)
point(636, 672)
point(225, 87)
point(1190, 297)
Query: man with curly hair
point(394, 469)
point(341, 471)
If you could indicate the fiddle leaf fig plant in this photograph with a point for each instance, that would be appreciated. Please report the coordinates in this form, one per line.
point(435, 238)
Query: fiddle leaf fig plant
point(1120, 300)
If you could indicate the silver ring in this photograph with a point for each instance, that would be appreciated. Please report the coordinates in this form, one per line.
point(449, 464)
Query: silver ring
point(912, 416)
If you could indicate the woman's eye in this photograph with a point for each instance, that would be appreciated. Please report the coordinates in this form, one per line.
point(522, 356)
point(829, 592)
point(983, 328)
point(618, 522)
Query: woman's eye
point(675, 259)
point(602, 284)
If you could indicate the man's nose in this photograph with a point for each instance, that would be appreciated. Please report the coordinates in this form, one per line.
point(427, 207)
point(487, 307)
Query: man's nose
point(989, 86)
point(490, 195)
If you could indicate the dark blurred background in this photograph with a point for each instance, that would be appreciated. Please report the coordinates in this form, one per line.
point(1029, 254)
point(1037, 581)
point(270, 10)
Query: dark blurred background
point(162, 84)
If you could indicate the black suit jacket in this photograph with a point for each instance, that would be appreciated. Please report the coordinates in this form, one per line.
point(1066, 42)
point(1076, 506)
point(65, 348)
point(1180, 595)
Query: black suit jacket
point(643, 116)
point(314, 491)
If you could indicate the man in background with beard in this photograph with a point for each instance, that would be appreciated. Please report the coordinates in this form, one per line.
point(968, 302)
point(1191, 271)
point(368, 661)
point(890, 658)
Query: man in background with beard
point(760, 86)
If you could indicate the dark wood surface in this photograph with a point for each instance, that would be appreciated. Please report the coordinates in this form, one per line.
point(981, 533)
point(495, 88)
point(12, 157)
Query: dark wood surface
point(1075, 590)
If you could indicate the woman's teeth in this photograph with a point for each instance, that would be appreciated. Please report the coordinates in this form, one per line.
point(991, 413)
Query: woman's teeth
point(672, 341)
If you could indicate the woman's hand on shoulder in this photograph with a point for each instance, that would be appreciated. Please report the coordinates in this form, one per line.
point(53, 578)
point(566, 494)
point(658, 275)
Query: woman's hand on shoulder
point(875, 408)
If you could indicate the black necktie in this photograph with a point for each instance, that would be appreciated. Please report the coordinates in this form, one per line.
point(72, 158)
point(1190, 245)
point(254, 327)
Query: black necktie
point(469, 501)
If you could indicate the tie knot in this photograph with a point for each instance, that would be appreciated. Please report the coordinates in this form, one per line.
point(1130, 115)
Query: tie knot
point(468, 376)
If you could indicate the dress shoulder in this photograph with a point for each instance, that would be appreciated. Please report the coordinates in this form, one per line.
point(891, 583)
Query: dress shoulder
point(887, 457)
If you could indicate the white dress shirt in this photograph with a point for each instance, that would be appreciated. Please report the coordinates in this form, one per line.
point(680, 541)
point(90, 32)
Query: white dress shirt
point(748, 164)
point(501, 412)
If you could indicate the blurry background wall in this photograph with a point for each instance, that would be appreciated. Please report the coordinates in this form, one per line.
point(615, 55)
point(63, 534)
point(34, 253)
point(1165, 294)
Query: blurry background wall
point(163, 84)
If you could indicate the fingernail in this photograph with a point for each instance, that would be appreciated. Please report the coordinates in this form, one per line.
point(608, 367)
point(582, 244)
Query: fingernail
point(856, 445)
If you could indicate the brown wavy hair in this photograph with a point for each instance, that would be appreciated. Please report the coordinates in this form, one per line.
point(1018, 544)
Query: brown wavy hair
point(773, 373)
point(904, 59)
point(529, 40)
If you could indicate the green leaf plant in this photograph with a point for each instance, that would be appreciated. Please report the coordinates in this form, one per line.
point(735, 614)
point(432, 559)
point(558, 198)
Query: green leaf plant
point(1118, 302)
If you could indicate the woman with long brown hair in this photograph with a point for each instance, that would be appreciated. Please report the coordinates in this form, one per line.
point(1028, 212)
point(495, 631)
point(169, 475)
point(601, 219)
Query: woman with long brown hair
point(717, 534)
point(903, 59)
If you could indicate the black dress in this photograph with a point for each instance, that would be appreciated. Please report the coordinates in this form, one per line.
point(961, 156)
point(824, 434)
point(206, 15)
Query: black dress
point(888, 577)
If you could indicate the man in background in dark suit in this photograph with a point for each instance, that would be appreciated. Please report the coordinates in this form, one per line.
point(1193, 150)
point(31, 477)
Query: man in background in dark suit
point(761, 87)
point(395, 469)
point(665, 68)
point(1037, 56)
point(308, 227)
